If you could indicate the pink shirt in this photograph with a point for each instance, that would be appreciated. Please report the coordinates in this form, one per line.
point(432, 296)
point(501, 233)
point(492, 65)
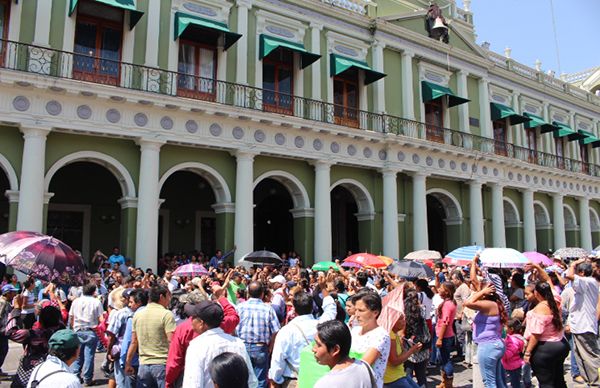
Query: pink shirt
point(512, 356)
point(446, 318)
point(542, 325)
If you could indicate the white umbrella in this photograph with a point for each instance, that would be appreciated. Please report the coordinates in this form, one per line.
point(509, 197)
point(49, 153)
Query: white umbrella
point(423, 254)
point(502, 258)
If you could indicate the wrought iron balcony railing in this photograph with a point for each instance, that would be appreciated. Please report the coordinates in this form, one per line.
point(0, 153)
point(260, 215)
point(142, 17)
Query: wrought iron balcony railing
point(87, 68)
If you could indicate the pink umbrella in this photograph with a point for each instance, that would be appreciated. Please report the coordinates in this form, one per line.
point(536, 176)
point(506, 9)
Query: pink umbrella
point(538, 258)
point(392, 308)
point(190, 270)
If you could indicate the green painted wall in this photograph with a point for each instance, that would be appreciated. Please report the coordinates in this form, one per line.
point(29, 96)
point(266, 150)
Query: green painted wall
point(417, 103)
point(225, 228)
point(572, 238)
point(233, 50)
point(514, 238)
point(165, 37)
point(393, 82)
point(28, 16)
point(545, 237)
point(307, 72)
point(453, 112)
point(252, 48)
point(12, 216)
point(370, 89)
point(57, 23)
point(417, 25)
point(473, 90)
point(486, 196)
point(325, 77)
point(456, 235)
point(389, 7)
point(300, 169)
point(140, 32)
point(304, 237)
point(405, 207)
point(128, 231)
point(11, 147)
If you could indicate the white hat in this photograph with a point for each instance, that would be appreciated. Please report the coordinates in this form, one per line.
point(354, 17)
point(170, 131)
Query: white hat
point(278, 279)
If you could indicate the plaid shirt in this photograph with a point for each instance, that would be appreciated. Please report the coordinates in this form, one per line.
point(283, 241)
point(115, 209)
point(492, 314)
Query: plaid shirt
point(258, 321)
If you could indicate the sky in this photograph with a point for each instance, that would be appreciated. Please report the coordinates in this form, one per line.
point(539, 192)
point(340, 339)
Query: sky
point(526, 27)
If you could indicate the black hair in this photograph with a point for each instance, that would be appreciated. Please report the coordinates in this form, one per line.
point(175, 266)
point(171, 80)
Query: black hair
point(545, 290)
point(340, 287)
point(229, 370)
point(515, 325)
point(27, 283)
point(362, 279)
point(50, 317)
point(156, 292)
point(423, 285)
point(255, 290)
point(63, 354)
point(89, 289)
point(303, 303)
point(586, 268)
point(333, 333)
point(519, 280)
point(140, 297)
point(371, 299)
point(458, 274)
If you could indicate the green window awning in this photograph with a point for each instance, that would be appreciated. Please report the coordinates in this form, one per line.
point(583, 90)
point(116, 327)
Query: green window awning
point(537, 121)
point(268, 44)
point(589, 138)
point(433, 91)
point(127, 5)
point(564, 130)
point(499, 112)
point(184, 20)
point(340, 64)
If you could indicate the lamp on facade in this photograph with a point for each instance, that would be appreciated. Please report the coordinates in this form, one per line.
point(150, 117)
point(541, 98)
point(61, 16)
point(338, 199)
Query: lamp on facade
point(182, 222)
point(108, 218)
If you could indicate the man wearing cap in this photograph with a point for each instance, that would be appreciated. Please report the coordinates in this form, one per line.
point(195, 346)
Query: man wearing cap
point(63, 350)
point(211, 342)
point(279, 296)
point(8, 293)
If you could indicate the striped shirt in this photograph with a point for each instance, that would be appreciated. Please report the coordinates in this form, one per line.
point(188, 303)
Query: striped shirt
point(258, 321)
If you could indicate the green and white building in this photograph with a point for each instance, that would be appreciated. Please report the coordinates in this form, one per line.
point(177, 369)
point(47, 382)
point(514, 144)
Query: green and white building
point(318, 126)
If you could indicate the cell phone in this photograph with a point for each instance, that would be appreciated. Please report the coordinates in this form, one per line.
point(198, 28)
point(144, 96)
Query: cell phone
point(408, 341)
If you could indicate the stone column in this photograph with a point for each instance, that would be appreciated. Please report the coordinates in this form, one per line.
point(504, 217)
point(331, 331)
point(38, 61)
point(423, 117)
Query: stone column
point(322, 211)
point(243, 234)
point(42, 23)
point(420, 233)
point(584, 223)
point(408, 107)
point(315, 69)
point(31, 199)
point(463, 109)
point(378, 86)
point(146, 243)
point(485, 120)
point(152, 34)
point(241, 70)
point(390, 214)
point(529, 232)
point(476, 213)
point(558, 214)
point(498, 232)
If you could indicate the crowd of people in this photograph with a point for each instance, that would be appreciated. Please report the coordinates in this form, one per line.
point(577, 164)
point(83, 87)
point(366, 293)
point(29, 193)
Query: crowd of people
point(289, 326)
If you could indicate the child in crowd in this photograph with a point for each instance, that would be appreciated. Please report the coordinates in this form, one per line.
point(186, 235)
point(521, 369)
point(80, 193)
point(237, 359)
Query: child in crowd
point(512, 361)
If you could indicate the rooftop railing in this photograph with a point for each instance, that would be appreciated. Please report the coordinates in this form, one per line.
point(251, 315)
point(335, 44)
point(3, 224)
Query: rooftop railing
point(88, 68)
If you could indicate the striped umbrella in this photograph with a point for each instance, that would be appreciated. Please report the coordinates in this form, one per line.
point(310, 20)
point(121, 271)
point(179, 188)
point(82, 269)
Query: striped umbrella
point(190, 270)
point(463, 255)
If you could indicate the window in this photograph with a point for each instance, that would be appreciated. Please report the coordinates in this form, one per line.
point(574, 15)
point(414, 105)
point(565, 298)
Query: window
point(532, 144)
point(4, 16)
point(197, 70)
point(500, 137)
point(345, 98)
point(434, 118)
point(98, 40)
point(585, 158)
point(560, 163)
point(278, 81)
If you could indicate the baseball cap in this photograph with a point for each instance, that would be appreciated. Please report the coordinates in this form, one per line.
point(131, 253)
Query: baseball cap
point(63, 339)
point(9, 288)
point(205, 310)
point(278, 279)
point(193, 297)
point(127, 293)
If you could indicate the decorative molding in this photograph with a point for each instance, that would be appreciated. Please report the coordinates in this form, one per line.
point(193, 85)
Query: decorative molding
point(279, 26)
point(303, 213)
point(347, 46)
point(432, 73)
point(224, 207)
point(365, 216)
point(209, 9)
point(128, 203)
point(401, 217)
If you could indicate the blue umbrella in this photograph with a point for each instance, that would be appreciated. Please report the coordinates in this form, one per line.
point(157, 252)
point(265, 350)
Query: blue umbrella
point(463, 255)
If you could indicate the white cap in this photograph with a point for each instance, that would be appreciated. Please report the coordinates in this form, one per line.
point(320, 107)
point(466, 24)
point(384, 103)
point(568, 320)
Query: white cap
point(278, 279)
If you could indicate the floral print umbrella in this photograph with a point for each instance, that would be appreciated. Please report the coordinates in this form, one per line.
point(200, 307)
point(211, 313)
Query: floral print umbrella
point(190, 270)
point(43, 257)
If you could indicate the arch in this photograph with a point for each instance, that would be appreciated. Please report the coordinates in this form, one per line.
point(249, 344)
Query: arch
point(13, 180)
point(570, 219)
point(291, 183)
point(216, 180)
point(511, 213)
point(594, 220)
point(361, 195)
point(541, 214)
point(454, 214)
point(112, 164)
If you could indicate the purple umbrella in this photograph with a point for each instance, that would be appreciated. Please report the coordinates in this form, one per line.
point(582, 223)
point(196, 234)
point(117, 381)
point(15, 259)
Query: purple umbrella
point(538, 258)
point(190, 270)
point(43, 257)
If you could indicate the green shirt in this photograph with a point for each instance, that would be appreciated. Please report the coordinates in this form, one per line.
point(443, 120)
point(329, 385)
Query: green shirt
point(151, 326)
point(232, 290)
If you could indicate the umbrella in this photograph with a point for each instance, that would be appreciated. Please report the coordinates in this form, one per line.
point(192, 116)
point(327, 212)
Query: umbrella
point(423, 255)
point(386, 260)
point(325, 265)
point(538, 258)
point(190, 270)
point(410, 269)
point(43, 257)
point(392, 308)
point(366, 260)
point(351, 265)
point(463, 255)
point(571, 253)
point(263, 257)
point(502, 258)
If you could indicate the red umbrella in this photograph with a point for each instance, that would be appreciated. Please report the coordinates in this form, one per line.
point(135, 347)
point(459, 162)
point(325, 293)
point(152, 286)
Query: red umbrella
point(366, 260)
point(456, 262)
point(43, 257)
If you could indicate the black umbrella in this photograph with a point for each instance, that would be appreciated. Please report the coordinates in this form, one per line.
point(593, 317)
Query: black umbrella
point(263, 257)
point(410, 269)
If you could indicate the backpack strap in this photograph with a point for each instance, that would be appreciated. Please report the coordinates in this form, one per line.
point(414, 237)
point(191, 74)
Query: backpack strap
point(35, 382)
point(371, 374)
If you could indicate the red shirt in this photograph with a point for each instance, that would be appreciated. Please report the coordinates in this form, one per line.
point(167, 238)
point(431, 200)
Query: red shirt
point(184, 333)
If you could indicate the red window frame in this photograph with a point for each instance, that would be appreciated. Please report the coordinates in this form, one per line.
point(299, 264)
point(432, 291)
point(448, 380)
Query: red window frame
point(4, 32)
point(195, 92)
point(344, 114)
point(434, 131)
point(96, 76)
point(500, 146)
point(281, 102)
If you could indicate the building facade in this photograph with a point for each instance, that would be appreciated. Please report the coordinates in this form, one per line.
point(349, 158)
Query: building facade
point(306, 125)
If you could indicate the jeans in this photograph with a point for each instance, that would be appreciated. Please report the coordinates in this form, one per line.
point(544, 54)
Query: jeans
point(489, 355)
point(259, 356)
point(445, 361)
point(526, 375)
point(404, 382)
point(419, 369)
point(574, 368)
point(87, 352)
point(3, 349)
point(434, 357)
point(121, 378)
point(514, 376)
point(151, 376)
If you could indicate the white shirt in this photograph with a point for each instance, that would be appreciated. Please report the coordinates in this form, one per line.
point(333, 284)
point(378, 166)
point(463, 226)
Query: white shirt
point(329, 309)
point(377, 339)
point(86, 312)
point(172, 284)
point(203, 349)
point(426, 305)
point(29, 295)
point(64, 379)
point(290, 340)
point(582, 311)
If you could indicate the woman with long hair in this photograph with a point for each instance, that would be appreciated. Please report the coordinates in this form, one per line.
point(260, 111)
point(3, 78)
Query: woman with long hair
point(487, 334)
point(445, 333)
point(417, 330)
point(547, 347)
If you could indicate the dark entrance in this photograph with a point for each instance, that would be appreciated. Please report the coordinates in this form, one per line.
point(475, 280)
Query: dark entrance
point(436, 226)
point(273, 222)
point(344, 225)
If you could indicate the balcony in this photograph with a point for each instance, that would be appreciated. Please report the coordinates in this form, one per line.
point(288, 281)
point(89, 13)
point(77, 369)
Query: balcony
point(61, 64)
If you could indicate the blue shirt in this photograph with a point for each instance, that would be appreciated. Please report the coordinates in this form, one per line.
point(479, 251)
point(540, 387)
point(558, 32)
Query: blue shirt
point(127, 341)
point(258, 321)
point(116, 259)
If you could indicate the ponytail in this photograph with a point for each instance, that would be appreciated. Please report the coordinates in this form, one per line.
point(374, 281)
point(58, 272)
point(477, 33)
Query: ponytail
point(545, 290)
